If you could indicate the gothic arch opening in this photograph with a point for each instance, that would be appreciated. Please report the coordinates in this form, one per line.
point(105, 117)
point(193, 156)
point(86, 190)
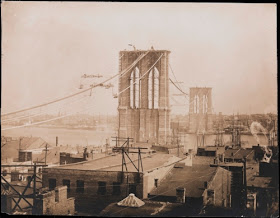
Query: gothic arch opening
point(196, 104)
point(153, 89)
point(135, 88)
point(205, 104)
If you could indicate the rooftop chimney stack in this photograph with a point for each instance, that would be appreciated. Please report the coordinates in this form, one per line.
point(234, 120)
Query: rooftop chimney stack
point(180, 195)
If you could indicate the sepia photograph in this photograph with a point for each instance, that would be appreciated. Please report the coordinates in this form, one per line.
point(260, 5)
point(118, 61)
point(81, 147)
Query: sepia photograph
point(118, 109)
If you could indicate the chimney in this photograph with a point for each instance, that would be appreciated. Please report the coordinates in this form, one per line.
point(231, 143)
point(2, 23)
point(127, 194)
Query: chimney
point(85, 154)
point(180, 195)
point(56, 141)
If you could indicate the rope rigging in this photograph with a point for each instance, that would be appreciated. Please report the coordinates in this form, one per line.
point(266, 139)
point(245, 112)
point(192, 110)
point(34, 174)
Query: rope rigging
point(77, 93)
point(122, 74)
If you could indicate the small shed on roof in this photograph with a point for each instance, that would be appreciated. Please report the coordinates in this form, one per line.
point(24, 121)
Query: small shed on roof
point(131, 201)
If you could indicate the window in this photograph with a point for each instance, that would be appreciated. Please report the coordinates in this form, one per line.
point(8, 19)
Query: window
point(210, 197)
point(156, 182)
point(56, 196)
point(135, 93)
point(67, 183)
point(52, 184)
point(29, 156)
point(150, 90)
point(101, 188)
point(196, 104)
point(156, 88)
point(116, 188)
point(153, 89)
point(205, 103)
point(80, 186)
point(4, 172)
point(132, 188)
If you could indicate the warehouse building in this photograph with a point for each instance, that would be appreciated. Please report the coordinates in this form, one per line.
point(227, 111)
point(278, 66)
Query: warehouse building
point(99, 182)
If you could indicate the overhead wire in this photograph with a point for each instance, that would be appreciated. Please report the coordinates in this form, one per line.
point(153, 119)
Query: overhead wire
point(141, 76)
point(43, 112)
point(45, 121)
point(40, 122)
point(77, 93)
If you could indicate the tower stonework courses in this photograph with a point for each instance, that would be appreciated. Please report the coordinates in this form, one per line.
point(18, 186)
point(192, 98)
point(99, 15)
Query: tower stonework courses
point(144, 96)
point(200, 111)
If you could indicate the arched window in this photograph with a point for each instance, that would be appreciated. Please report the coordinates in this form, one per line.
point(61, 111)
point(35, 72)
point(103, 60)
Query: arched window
point(196, 104)
point(153, 89)
point(156, 88)
point(205, 105)
point(135, 88)
point(150, 89)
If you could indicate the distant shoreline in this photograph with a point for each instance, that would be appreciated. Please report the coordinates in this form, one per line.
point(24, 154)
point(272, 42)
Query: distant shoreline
point(104, 128)
point(65, 127)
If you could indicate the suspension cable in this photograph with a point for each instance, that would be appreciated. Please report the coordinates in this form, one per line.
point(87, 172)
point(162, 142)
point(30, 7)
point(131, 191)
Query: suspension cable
point(77, 93)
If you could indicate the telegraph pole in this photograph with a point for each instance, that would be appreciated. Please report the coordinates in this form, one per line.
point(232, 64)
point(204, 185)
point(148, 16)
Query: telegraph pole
point(34, 190)
point(46, 151)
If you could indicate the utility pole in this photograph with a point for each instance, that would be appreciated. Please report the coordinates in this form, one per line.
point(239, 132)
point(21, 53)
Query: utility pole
point(34, 190)
point(178, 146)
point(3, 143)
point(245, 181)
point(273, 133)
point(46, 151)
point(19, 144)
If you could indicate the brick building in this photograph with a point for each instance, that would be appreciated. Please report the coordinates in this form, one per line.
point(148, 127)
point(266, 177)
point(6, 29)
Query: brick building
point(204, 185)
point(55, 202)
point(144, 96)
point(210, 151)
point(99, 182)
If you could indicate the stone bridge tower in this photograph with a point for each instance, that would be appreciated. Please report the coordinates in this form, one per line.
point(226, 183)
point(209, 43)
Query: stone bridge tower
point(144, 105)
point(200, 111)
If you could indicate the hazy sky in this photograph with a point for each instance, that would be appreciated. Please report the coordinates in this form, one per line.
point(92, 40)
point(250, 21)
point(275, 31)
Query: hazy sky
point(47, 46)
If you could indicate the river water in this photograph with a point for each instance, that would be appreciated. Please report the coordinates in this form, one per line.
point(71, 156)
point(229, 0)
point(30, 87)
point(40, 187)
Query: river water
point(65, 136)
point(84, 137)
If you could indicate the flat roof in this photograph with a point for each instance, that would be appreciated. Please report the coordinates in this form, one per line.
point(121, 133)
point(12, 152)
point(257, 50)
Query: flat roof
point(114, 162)
point(149, 208)
point(136, 51)
point(211, 148)
point(191, 178)
point(230, 164)
point(237, 153)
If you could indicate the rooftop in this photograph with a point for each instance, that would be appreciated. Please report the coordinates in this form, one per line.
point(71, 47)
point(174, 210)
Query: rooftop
point(230, 165)
point(238, 153)
point(191, 178)
point(137, 50)
point(32, 143)
point(212, 148)
point(114, 162)
point(260, 182)
point(150, 208)
point(253, 178)
point(203, 160)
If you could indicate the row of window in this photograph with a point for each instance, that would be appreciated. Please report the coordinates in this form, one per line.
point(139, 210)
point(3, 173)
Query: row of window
point(153, 89)
point(197, 104)
point(102, 189)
